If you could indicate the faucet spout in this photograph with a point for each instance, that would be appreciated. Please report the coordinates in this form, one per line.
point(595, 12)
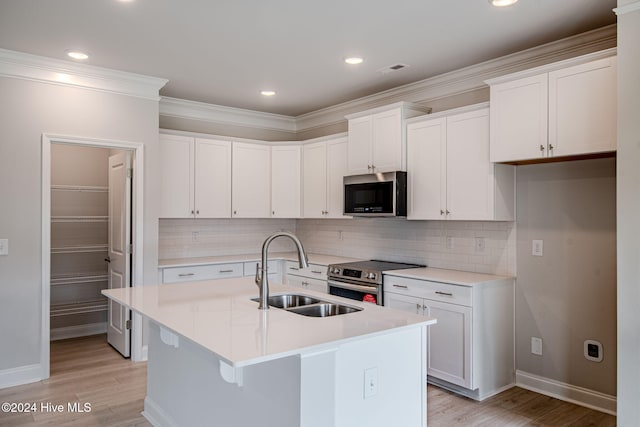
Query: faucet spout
point(262, 278)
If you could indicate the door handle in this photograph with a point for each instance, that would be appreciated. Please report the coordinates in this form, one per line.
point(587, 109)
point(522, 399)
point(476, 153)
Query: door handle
point(107, 259)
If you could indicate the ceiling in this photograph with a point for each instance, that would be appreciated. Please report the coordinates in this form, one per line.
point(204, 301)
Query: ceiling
point(226, 51)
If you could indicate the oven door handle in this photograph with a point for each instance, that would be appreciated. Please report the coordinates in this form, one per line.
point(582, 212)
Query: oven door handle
point(361, 288)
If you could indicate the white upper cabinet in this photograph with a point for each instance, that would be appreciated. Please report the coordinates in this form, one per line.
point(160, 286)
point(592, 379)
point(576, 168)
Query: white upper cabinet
point(251, 180)
point(377, 140)
point(450, 175)
point(562, 109)
point(195, 178)
point(213, 178)
point(285, 181)
point(176, 176)
point(324, 166)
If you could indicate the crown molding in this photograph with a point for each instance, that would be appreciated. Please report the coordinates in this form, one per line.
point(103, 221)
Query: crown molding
point(25, 66)
point(193, 110)
point(627, 8)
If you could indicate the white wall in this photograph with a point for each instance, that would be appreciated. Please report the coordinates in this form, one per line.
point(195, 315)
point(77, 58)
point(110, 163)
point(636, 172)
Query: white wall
point(628, 215)
point(27, 110)
point(567, 295)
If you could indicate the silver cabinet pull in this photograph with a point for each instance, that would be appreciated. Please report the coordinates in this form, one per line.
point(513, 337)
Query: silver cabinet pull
point(449, 294)
point(192, 212)
point(418, 308)
point(225, 271)
point(541, 147)
point(316, 271)
point(186, 274)
point(235, 212)
point(305, 283)
point(198, 212)
point(550, 146)
point(401, 286)
point(294, 268)
point(447, 211)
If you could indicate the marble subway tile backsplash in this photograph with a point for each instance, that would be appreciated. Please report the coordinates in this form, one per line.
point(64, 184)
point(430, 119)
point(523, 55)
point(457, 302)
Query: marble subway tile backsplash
point(441, 244)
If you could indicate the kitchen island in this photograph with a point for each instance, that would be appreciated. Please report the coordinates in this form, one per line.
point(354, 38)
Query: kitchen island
point(216, 360)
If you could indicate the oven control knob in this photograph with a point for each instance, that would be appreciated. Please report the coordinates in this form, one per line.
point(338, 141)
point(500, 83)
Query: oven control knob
point(335, 270)
point(371, 276)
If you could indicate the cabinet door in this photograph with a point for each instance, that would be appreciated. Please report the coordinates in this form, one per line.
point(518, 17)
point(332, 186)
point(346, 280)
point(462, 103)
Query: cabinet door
point(470, 179)
point(403, 302)
point(449, 343)
point(212, 178)
point(285, 181)
point(251, 183)
point(176, 176)
point(360, 138)
point(336, 170)
point(518, 121)
point(387, 141)
point(426, 172)
point(583, 108)
point(314, 180)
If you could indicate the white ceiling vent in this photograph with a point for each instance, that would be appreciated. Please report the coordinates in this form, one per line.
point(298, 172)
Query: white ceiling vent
point(393, 68)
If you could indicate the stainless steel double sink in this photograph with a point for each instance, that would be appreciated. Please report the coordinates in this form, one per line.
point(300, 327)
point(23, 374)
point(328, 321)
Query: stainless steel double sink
point(308, 306)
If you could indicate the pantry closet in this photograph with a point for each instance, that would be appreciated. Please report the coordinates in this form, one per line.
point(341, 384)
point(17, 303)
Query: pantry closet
point(79, 240)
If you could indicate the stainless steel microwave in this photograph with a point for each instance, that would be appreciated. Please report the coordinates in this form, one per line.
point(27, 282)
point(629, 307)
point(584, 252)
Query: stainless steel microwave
point(376, 195)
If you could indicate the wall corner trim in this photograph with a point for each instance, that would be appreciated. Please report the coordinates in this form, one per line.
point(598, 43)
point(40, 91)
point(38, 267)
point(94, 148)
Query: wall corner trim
point(627, 8)
point(54, 71)
point(20, 375)
point(569, 393)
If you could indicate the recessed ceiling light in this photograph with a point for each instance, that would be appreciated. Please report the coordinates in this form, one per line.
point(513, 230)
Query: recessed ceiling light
point(76, 54)
point(354, 60)
point(267, 92)
point(502, 3)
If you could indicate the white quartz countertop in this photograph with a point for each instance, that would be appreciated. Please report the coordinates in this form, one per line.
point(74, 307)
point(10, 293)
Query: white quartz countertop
point(291, 256)
point(220, 316)
point(455, 277)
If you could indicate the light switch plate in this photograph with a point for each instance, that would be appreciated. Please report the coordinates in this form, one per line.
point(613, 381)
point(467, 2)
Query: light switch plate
point(536, 346)
point(537, 247)
point(4, 246)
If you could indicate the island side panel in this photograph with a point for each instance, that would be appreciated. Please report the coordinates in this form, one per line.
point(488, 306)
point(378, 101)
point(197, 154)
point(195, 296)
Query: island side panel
point(184, 388)
point(399, 370)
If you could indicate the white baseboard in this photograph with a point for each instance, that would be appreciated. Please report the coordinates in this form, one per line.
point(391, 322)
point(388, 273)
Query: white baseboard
point(78, 331)
point(155, 415)
point(567, 392)
point(471, 394)
point(21, 375)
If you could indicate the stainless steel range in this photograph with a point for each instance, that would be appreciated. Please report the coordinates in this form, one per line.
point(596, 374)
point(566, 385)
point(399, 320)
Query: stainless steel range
point(361, 280)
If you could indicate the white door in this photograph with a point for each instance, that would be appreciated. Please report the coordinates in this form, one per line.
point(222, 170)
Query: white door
point(212, 178)
point(387, 141)
point(285, 181)
point(251, 180)
point(314, 169)
point(118, 332)
point(426, 169)
point(336, 170)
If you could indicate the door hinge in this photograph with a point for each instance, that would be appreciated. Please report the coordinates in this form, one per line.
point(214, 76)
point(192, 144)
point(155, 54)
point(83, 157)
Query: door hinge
point(129, 173)
point(130, 248)
point(127, 324)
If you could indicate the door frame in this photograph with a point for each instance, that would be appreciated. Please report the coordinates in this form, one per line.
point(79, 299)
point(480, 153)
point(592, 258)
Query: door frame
point(137, 148)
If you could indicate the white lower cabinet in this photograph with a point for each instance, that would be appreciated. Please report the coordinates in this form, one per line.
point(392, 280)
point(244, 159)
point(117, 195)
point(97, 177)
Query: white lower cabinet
point(202, 272)
point(313, 277)
point(471, 349)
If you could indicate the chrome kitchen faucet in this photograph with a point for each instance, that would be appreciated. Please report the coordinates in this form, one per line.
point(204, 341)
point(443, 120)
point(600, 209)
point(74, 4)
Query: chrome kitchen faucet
point(262, 278)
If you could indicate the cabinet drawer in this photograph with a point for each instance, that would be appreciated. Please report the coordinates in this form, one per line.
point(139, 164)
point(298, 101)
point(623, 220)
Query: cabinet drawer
point(316, 271)
point(317, 285)
point(201, 272)
point(273, 267)
point(436, 291)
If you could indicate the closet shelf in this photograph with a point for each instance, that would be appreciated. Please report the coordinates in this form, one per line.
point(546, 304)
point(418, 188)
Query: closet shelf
point(92, 218)
point(78, 308)
point(80, 188)
point(71, 279)
point(79, 249)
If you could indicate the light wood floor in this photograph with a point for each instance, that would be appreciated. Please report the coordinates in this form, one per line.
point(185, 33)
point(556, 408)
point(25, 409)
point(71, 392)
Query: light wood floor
point(88, 370)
